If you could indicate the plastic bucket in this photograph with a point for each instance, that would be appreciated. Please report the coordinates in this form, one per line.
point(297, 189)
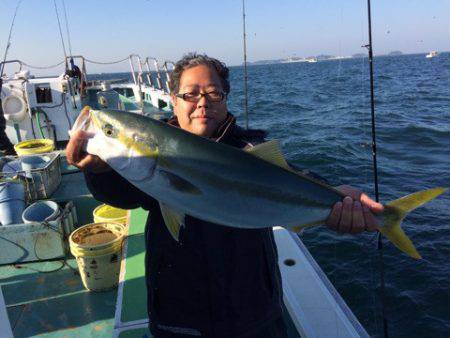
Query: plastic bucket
point(11, 168)
point(33, 162)
point(32, 147)
point(12, 202)
point(107, 213)
point(97, 248)
point(41, 211)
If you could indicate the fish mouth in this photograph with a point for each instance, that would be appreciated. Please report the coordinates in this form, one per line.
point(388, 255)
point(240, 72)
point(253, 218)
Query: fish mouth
point(83, 121)
point(95, 118)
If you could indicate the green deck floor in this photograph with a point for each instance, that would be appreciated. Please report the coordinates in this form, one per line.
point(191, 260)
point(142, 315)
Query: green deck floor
point(54, 304)
point(134, 301)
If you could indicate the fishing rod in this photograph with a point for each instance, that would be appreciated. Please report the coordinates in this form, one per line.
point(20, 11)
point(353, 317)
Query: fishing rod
point(8, 43)
point(375, 170)
point(5, 143)
point(244, 38)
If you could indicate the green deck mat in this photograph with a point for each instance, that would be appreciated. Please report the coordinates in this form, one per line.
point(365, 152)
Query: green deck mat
point(134, 291)
point(138, 217)
point(135, 333)
point(54, 304)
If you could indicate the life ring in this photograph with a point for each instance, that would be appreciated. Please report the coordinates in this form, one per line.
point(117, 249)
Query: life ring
point(14, 108)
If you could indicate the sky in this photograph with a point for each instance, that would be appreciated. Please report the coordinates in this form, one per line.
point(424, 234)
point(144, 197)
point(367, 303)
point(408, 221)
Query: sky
point(107, 30)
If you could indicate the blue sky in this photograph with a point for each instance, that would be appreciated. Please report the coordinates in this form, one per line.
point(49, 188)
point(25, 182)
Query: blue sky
point(108, 29)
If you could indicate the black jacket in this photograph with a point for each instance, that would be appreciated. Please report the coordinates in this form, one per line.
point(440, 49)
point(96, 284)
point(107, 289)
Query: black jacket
point(216, 281)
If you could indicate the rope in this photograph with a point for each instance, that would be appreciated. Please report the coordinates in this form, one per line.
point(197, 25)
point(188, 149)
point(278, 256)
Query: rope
point(60, 30)
point(106, 63)
point(44, 67)
point(60, 63)
point(67, 27)
point(9, 37)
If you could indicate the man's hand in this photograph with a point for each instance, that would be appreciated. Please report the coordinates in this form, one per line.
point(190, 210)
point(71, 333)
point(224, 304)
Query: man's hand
point(355, 213)
point(79, 158)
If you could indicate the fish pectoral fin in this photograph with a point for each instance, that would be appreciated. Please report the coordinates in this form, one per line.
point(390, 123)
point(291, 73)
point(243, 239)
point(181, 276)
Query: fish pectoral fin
point(270, 151)
point(180, 184)
point(394, 213)
point(173, 220)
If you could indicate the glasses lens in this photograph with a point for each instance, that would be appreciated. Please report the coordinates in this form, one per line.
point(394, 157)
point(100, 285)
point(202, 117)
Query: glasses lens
point(215, 96)
point(191, 97)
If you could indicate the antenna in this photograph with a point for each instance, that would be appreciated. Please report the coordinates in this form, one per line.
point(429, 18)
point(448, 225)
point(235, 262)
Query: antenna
point(244, 37)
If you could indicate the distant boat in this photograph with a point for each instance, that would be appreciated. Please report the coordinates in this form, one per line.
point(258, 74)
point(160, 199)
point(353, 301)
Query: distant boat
point(431, 54)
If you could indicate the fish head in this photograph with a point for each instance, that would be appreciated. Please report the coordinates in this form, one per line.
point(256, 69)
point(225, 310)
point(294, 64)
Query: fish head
point(119, 140)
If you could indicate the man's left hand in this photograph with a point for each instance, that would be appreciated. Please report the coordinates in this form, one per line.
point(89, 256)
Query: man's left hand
point(355, 213)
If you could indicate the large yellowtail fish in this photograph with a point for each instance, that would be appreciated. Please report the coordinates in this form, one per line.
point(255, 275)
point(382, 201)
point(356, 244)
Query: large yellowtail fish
point(192, 175)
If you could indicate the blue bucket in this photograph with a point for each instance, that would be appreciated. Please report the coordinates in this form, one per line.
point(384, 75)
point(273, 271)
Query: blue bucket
point(11, 168)
point(33, 162)
point(12, 202)
point(41, 211)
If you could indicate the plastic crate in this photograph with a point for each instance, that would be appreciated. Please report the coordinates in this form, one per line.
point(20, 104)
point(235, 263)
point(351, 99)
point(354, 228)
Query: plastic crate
point(39, 183)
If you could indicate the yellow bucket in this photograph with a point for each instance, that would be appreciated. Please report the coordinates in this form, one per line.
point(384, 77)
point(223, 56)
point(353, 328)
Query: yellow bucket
point(97, 248)
point(107, 213)
point(37, 146)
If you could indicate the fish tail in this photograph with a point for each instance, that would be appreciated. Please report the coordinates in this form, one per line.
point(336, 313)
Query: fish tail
point(397, 210)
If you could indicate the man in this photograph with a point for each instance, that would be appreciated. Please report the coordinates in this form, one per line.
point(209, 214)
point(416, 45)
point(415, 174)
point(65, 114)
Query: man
point(216, 281)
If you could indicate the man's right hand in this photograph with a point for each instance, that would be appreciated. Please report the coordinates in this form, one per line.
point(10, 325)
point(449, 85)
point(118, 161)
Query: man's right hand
point(81, 159)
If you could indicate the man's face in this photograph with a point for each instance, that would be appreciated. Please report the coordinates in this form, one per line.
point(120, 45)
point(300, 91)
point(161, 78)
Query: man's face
point(203, 117)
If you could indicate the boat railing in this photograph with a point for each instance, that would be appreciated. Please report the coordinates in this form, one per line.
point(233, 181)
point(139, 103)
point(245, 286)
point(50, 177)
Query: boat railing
point(3, 63)
point(135, 59)
point(158, 84)
point(167, 71)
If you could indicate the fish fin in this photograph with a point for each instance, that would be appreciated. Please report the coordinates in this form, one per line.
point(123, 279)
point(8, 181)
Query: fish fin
point(172, 219)
point(180, 184)
point(396, 210)
point(270, 151)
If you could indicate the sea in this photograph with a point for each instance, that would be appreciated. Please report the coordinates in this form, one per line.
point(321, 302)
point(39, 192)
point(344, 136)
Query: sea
point(320, 112)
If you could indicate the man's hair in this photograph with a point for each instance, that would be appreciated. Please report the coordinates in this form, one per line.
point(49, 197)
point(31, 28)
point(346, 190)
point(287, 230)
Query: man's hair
point(191, 60)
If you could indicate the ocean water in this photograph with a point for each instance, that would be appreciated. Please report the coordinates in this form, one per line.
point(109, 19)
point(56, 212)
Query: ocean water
point(321, 114)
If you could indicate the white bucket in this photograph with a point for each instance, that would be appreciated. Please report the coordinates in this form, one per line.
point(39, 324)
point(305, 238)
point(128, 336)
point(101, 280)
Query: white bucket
point(41, 211)
point(97, 248)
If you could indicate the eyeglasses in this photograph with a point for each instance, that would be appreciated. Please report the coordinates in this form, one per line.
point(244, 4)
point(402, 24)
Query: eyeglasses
point(214, 96)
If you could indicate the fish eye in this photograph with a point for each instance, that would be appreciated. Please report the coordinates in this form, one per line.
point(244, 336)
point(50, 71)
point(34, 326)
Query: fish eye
point(109, 130)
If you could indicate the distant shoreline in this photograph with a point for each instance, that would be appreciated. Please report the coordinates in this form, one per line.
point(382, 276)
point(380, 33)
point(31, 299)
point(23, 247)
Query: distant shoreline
point(322, 57)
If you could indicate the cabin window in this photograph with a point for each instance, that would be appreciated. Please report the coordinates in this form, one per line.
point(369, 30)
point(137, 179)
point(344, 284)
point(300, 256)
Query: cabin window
point(129, 92)
point(43, 93)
